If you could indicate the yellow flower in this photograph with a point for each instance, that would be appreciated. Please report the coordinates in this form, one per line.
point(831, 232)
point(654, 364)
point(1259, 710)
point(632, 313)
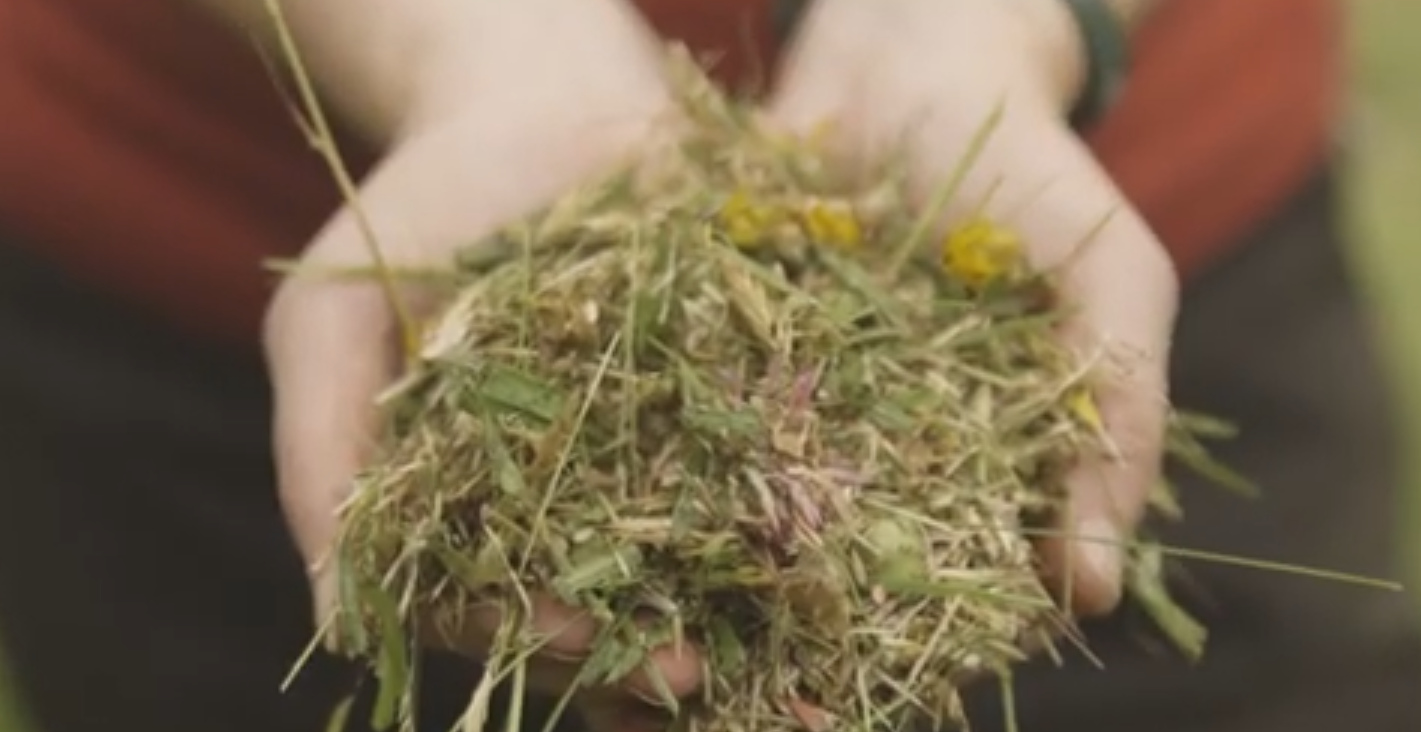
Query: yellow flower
point(833, 223)
point(746, 222)
point(980, 252)
point(1081, 404)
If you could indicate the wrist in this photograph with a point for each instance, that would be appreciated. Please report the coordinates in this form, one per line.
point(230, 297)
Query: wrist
point(1082, 50)
point(1056, 50)
point(390, 68)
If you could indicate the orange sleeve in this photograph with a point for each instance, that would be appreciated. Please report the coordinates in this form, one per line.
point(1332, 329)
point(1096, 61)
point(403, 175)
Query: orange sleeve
point(144, 148)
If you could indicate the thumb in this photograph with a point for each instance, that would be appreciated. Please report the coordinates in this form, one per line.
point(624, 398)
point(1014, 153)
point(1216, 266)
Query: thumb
point(331, 348)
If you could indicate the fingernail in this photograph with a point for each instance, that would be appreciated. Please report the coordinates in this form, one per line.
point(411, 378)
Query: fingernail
point(1101, 549)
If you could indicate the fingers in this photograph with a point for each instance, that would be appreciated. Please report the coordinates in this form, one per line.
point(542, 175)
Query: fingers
point(1121, 285)
point(614, 713)
point(635, 703)
point(1119, 278)
point(329, 352)
point(1115, 275)
point(568, 636)
point(673, 669)
point(1126, 290)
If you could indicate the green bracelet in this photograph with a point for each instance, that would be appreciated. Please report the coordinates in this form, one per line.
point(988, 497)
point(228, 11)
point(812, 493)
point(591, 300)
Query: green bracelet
point(784, 18)
point(1107, 60)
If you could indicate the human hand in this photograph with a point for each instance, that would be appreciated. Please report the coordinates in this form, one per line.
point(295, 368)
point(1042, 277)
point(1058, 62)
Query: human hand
point(539, 98)
point(928, 73)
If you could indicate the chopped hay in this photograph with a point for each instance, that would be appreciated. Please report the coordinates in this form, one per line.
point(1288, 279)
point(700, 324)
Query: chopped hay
point(756, 410)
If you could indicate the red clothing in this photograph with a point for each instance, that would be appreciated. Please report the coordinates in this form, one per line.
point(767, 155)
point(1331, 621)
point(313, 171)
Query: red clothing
point(146, 148)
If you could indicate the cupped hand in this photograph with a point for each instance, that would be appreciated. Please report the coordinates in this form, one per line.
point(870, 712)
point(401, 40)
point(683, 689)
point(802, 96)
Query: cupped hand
point(929, 74)
point(548, 95)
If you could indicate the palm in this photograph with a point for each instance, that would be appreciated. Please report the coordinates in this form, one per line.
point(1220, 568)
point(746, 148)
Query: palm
point(928, 76)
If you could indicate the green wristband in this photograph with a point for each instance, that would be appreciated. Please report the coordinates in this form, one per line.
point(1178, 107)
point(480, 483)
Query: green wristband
point(785, 16)
point(1107, 60)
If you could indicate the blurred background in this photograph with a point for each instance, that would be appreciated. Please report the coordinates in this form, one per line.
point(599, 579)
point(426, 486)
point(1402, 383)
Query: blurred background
point(1385, 205)
point(1385, 202)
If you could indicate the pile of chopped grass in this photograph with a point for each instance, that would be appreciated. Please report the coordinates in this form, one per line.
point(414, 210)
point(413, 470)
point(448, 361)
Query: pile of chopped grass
point(757, 410)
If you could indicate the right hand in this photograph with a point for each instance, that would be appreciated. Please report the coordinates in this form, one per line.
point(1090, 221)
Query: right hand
point(546, 95)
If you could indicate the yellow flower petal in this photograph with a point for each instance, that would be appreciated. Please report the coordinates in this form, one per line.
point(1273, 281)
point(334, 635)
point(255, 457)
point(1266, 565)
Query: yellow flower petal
point(746, 222)
point(980, 252)
point(833, 223)
point(1082, 405)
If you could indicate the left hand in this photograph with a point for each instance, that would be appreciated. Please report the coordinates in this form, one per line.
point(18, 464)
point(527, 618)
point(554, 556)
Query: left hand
point(928, 73)
point(496, 130)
